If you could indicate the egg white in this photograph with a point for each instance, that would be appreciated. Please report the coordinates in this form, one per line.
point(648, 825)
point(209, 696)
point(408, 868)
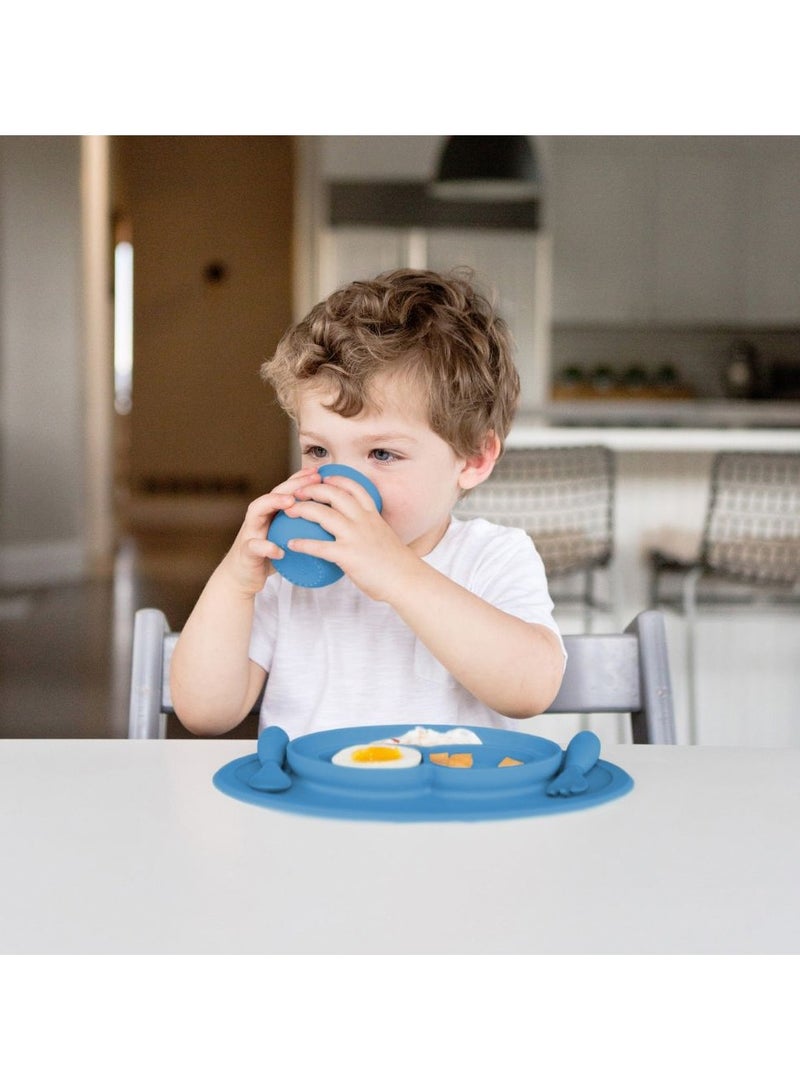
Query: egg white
point(407, 760)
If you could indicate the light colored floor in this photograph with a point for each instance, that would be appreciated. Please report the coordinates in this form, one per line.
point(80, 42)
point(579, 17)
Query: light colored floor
point(65, 651)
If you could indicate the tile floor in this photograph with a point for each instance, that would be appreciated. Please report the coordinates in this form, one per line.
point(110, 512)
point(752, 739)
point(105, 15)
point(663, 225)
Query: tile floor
point(65, 650)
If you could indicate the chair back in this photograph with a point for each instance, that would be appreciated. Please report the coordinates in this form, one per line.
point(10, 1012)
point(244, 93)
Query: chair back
point(752, 526)
point(562, 496)
point(622, 672)
point(150, 699)
point(605, 672)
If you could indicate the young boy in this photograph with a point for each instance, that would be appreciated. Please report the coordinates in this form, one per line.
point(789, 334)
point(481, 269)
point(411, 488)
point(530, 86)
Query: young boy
point(409, 379)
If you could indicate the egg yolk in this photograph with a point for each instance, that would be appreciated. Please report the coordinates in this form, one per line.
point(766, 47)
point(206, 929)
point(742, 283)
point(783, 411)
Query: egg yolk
point(377, 753)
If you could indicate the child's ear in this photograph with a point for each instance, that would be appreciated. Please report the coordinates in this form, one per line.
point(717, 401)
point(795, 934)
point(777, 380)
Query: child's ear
point(478, 467)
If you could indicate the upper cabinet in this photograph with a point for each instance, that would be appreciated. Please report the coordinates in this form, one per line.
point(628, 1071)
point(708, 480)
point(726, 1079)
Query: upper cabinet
point(772, 238)
point(697, 230)
point(355, 253)
point(598, 198)
point(675, 230)
point(507, 265)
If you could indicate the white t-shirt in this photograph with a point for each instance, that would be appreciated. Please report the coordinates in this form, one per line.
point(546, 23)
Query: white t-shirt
point(337, 658)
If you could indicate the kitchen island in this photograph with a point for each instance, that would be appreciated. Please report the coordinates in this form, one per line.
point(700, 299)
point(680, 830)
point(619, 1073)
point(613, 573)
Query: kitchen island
point(748, 688)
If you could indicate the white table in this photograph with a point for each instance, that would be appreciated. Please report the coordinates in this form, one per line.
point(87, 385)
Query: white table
point(111, 846)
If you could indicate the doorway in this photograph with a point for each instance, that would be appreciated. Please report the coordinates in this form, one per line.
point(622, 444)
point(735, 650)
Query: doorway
point(210, 220)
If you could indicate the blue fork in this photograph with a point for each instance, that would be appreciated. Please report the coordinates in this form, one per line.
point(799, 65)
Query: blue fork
point(579, 758)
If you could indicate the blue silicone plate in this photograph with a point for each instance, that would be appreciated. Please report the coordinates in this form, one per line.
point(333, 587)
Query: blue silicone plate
point(426, 793)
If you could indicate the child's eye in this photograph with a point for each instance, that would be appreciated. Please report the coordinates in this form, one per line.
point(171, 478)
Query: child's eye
point(315, 451)
point(382, 455)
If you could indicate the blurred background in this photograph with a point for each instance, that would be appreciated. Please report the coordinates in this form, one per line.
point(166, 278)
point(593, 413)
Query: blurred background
point(143, 279)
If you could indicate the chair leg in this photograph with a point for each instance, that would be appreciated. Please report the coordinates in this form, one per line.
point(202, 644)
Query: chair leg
point(690, 616)
point(588, 599)
point(617, 622)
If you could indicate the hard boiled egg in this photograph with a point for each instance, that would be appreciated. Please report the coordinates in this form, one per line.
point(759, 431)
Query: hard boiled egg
point(377, 756)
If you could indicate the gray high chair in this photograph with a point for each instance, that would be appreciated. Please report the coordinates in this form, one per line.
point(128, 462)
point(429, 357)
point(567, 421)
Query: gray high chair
point(606, 672)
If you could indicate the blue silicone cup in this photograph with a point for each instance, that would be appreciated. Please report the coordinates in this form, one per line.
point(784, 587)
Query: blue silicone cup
point(299, 568)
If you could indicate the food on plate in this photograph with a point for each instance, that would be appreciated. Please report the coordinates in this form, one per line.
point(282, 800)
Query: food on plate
point(377, 756)
point(396, 753)
point(460, 761)
point(464, 760)
point(452, 761)
point(429, 736)
point(376, 753)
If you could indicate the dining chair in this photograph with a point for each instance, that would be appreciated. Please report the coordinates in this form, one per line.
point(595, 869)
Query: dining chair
point(624, 672)
point(563, 497)
point(749, 553)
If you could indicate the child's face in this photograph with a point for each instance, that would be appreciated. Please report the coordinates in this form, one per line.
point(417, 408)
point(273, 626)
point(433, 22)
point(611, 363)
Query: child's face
point(418, 474)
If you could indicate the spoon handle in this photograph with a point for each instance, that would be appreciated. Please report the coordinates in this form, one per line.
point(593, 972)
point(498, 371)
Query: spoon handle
point(272, 743)
point(270, 775)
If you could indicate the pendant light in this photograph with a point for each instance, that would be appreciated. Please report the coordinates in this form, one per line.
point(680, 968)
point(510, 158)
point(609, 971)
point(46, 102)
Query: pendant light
point(487, 168)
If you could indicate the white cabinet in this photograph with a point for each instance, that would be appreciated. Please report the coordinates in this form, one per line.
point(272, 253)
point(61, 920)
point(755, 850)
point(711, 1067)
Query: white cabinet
point(676, 230)
point(598, 194)
point(351, 253)
point(698, 223)
point(772, 239)
point(510, 266)
point(506, 265)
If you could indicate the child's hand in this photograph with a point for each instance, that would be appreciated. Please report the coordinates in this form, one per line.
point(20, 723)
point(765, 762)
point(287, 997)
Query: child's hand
point(248, 560)
point(365, 546)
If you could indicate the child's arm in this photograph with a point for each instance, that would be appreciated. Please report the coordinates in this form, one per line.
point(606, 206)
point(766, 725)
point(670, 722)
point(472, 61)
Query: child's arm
point(511, 665)
point(214, 682)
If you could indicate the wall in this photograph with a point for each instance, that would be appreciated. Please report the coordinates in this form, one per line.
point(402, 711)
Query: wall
point(41, 359)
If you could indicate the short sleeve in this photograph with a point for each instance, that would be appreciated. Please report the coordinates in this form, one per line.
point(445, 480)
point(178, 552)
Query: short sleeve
point(510, 574)
point(500, 564)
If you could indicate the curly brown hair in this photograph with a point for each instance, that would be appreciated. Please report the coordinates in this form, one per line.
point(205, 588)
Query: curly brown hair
point(437, 330)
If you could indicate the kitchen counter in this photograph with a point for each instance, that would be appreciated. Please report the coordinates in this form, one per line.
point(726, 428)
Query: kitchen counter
point(661, 426)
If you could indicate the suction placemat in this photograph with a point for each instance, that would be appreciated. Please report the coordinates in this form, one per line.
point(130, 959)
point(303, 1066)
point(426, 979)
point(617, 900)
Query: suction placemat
point(426, 793)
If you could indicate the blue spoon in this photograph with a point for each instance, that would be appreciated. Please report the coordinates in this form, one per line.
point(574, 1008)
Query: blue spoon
point(271, 751)
point(579, 758)
point(300, 568)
